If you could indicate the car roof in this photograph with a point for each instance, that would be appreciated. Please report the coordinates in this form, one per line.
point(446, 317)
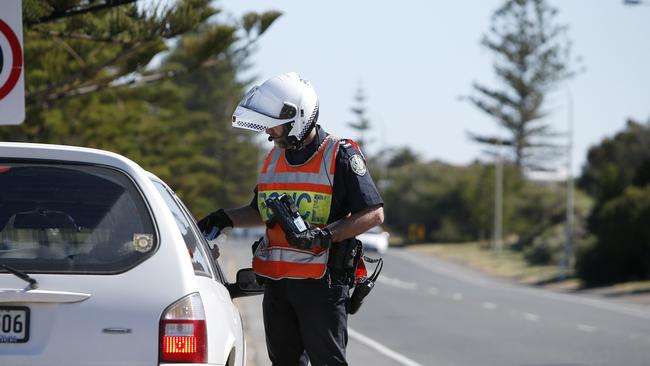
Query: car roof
point(65, 153)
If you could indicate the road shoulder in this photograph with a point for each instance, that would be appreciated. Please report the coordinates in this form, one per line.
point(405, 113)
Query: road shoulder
point(509, 266)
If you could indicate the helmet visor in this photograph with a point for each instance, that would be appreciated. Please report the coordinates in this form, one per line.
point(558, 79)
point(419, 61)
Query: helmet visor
point(251, 120)
point(249, 117)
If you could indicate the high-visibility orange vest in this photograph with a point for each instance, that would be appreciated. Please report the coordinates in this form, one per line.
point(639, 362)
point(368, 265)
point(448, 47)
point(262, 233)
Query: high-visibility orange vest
point(310, 186)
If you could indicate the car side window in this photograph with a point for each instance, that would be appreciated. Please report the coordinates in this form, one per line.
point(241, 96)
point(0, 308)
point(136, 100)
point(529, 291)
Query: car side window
point(219, 276)
point(198, 254)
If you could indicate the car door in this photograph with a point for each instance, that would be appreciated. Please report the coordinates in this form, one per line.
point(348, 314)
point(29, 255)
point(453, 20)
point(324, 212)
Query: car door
point(225, 331)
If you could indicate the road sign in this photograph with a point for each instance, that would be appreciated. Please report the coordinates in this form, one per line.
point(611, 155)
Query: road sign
point(12, 80)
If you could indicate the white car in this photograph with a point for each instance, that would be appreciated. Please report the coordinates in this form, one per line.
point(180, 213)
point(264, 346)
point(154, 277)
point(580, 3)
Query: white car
point(101, 264)
point(375, 239)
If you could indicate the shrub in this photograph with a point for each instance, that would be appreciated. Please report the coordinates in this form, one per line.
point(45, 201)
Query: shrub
point(622, 248)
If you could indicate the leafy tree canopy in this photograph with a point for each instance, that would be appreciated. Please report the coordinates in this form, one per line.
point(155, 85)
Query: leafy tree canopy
point(618, 162)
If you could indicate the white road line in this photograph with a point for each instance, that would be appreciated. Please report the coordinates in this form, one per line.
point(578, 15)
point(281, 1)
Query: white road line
point(587, 328)
point(401, 359)
point(434, 291)
point(531, 317)
point(489, 305)
point(457, 296)
point(397, 283)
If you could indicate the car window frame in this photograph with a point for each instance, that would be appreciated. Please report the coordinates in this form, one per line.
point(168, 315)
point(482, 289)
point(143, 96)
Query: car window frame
point(215, 269)
point(215, 262)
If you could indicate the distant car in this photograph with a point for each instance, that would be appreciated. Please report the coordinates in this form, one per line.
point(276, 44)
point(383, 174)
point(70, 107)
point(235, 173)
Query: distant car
point(101, 263)
point(375, 239)
point(249, 232)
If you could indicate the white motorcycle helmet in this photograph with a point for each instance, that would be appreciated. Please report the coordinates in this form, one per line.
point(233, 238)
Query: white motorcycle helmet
point(285, 99)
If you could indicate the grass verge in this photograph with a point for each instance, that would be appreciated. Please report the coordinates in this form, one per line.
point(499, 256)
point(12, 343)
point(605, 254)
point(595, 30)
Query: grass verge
point(505, 264)
point(512, 265)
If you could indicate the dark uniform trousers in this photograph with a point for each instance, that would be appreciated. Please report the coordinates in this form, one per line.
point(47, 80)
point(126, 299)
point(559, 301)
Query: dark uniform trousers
point(305, 315)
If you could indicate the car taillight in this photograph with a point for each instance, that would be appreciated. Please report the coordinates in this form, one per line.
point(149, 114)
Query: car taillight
point(183, 336)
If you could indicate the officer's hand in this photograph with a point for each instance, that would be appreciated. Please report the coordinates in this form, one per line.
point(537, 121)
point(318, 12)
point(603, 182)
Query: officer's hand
point(312, 238)
point(214, 251)
point(218, 219)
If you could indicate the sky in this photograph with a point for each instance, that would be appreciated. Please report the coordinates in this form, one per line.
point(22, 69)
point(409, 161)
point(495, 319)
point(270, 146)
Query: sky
point(415, 60)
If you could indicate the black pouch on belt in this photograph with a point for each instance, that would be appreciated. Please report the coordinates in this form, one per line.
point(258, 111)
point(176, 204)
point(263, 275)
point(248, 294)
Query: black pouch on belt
point(343, 259)
point(363, 288)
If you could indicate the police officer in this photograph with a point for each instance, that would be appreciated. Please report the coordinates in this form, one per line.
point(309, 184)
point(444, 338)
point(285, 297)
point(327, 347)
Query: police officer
point(305, 296)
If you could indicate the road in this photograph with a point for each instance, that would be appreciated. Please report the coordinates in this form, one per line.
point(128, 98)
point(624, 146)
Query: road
point(424, 311)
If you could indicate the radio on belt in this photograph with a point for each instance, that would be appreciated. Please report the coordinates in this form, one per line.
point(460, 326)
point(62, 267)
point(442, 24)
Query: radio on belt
point(286, 214)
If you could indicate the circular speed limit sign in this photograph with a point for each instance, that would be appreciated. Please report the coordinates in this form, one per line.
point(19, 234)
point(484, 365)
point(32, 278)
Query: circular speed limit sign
point(11, 59)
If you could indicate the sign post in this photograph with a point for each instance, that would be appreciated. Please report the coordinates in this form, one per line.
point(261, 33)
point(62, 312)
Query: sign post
point(12, 79)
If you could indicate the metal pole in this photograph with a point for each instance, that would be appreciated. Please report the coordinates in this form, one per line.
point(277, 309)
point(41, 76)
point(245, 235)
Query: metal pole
point(568, 232)
point(498, 201)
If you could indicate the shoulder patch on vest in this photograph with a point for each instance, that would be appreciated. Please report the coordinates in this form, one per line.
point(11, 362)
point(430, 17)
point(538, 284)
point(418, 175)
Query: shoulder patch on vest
point(358, 165)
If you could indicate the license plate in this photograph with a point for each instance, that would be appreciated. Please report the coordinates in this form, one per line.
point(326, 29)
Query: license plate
point(14, 324)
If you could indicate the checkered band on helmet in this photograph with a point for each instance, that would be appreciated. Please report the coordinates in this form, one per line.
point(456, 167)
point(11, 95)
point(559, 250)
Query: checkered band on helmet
point(250, 125)
point(311, 122)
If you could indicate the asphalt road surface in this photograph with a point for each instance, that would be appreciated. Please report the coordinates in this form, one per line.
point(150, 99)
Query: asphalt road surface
point(424, 311)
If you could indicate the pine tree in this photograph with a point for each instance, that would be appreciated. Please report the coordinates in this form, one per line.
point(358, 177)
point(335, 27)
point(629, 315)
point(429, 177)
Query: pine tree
point(76, 47)
point(532, 58)
point(361, 123)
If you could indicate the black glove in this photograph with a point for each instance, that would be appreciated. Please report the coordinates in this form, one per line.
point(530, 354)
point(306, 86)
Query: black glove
point(312, 238)
point(218, 219)
point(215, 251)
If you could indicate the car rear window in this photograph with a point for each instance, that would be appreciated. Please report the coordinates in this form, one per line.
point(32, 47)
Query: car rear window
point(65, 218)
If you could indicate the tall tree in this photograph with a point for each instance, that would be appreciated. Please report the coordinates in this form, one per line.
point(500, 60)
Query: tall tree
point(362, 122)
point(532, 57)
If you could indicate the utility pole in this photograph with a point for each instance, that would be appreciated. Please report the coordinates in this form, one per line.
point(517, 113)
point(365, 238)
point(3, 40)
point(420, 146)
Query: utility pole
point(568, 230)
point(497, 240)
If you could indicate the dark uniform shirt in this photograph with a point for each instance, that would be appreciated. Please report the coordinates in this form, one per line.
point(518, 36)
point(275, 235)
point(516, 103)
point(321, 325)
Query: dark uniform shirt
point(352, 192)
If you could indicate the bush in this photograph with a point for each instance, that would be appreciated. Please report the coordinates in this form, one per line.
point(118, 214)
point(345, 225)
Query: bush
point(622, 248)
point(547, 248)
